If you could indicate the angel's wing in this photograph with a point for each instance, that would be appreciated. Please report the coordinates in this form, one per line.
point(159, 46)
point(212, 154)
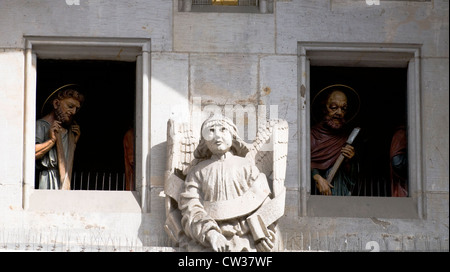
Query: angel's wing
point(270, 154)
point(280, 149)
point(180, 152)
point(269, 151)
point(181, 144)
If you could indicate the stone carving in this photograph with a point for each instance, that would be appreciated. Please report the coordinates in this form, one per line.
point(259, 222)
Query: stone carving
point(223, 194)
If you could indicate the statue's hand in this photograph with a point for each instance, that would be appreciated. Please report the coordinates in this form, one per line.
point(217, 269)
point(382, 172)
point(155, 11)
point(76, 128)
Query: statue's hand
point(266, 244)
point(218, 242)
point(76, 130)
point(348, 151)
point(55, 129)
point(322, 185)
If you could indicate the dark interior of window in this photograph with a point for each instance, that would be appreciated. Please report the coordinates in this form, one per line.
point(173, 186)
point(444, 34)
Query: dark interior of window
point(383, 108)
point(241, 6)
point(104, 118)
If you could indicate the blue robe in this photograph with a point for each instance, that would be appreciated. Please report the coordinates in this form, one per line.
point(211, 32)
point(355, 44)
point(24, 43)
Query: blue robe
point(47, 166)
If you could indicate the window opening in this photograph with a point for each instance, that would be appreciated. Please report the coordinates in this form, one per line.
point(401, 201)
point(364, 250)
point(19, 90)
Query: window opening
point(105, 117)
point(226, 6)
point(226, 2)
point(383, 109)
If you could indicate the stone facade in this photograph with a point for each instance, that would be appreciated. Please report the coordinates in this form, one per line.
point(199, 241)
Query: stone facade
point(226, 59)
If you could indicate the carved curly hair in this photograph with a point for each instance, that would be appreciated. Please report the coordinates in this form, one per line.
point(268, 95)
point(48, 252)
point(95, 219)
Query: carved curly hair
point(70, 93)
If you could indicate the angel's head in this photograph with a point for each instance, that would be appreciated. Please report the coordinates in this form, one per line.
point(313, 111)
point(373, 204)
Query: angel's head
point(218, 136)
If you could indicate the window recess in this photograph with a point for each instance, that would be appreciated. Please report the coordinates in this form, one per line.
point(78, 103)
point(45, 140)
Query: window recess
point(398, 67)
point(70, 50)
point(226, 6)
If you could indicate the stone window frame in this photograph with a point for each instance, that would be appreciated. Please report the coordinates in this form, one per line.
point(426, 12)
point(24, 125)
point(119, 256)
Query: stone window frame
point(264, 6)
point(88, 48)
point(361, 55)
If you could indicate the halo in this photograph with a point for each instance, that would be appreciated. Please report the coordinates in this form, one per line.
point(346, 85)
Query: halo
point(353, 99)
point(55, 92)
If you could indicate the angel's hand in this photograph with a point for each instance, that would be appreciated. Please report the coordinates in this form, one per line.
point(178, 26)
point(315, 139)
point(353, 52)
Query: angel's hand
point(266, 244)
point(218, 242)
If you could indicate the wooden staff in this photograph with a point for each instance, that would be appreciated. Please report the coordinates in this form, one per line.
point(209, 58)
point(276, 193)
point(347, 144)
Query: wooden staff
point(341, 157)
point(65, 166)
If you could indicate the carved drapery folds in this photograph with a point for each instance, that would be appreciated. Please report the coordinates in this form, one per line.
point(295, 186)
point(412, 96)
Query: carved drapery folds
point(252, 230)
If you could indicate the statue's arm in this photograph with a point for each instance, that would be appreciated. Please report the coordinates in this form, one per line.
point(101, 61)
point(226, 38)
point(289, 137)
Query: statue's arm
point(42, 148)
point(195, 221)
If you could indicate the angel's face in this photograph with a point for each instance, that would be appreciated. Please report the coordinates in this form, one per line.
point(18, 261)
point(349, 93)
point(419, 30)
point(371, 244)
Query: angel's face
point(218, 138)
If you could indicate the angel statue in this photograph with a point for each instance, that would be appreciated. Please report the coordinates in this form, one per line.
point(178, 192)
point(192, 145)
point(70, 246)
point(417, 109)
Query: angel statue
point(223, 194)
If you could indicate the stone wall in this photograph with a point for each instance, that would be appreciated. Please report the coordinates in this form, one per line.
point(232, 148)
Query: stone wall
point(225, 58)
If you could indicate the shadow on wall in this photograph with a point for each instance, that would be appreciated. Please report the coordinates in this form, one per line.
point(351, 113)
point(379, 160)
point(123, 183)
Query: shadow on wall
point(151, 231)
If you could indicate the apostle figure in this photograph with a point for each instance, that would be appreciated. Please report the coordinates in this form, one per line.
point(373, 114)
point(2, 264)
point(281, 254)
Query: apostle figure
point(399, 163)
point(333, 106)
point(56, 137)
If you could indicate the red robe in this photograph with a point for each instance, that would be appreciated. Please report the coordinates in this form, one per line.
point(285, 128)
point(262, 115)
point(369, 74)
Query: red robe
point(398, 147)
point(128, 148)
point(326, 145)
